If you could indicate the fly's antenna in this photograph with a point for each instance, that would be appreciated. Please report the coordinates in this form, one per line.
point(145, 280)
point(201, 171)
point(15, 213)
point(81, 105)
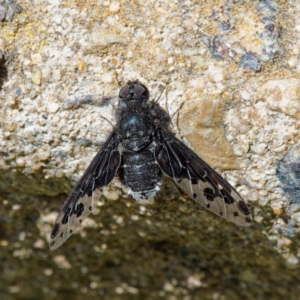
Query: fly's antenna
point(174, 113)
point(164, 89)
point(112, 125)
point(156, 101)
point(119, 83)
point(177, 112)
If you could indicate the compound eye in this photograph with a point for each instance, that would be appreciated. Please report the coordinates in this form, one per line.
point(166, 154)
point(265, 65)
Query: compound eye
point(141, 90)
point(124, 92)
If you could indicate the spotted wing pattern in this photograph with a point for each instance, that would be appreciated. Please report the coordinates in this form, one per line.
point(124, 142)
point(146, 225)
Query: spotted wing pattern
point(198, 179)
point(79, 204)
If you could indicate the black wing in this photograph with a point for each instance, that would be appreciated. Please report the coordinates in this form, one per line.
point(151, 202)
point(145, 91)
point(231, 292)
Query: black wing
point(79, 204)
point(199, 180)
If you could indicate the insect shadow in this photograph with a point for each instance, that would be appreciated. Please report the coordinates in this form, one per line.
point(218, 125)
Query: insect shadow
point(3, 69)
point(140, 151)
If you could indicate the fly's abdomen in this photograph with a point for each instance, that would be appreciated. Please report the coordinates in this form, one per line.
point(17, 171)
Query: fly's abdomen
point(141, 174)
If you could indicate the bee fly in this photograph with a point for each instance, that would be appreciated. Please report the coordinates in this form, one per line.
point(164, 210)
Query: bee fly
point(140, 151)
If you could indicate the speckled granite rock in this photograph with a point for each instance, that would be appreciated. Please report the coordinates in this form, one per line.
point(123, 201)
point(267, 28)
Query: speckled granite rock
point(8, 8)
point(61, 65)
point(248, 32)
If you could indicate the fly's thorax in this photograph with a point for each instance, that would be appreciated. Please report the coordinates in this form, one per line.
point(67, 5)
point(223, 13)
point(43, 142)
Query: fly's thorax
point(135, 130)
point(133, 104)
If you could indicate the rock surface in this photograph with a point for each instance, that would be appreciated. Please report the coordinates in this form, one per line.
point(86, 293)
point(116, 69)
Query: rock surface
point(60, 67)
point(8, 8)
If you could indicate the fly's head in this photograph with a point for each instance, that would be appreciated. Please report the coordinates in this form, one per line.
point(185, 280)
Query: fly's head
point(133, 94)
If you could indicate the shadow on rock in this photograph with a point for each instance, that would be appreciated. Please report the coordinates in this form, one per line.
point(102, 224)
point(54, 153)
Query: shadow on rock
point(3, 69)
point(131, 251)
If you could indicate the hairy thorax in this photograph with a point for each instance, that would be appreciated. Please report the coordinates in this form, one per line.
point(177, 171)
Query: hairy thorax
point(135, 130)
